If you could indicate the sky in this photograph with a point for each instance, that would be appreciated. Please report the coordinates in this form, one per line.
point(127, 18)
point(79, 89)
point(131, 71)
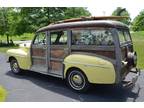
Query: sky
point(106, 7)
point(96, 7)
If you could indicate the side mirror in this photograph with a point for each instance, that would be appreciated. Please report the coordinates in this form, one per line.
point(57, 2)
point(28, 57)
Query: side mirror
point(25, 45)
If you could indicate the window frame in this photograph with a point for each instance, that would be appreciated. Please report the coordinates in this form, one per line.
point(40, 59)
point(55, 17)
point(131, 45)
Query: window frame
point(37, 35)
point(124, 35)
point(59, 38)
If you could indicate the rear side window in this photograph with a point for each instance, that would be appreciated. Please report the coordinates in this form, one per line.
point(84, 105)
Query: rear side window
point(58, 38)
point(100, 37)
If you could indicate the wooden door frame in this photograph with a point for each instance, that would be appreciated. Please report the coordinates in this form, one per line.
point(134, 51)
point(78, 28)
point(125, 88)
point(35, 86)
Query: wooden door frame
point(49, 50)
point(38, 57)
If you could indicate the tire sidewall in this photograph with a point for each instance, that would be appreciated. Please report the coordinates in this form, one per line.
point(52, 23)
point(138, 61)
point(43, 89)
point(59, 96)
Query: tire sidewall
point(83, 76)
point(11, 65)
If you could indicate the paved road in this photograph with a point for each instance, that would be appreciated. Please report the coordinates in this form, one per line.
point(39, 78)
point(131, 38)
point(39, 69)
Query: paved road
point(37, 87)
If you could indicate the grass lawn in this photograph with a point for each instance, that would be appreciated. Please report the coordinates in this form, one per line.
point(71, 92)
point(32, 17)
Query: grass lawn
point(138, 41)
point(25, 36)
point(2, 94)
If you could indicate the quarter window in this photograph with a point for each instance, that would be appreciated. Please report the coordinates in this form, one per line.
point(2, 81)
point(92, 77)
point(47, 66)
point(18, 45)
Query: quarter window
point(124, 36)
point(100, 37)
point(121, 36)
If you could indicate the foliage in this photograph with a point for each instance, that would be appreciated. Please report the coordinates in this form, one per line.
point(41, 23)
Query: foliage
point(8, 21)
point(138, 22)
point(122, 12)
point(2, 94)
point(76, 12)
point(16, 21)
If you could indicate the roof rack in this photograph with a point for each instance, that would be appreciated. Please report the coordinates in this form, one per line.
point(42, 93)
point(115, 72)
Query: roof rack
point(92, 18)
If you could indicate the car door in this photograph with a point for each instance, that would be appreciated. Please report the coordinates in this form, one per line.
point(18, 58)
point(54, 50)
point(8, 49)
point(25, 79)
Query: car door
point(38, 53)
point(58, 51)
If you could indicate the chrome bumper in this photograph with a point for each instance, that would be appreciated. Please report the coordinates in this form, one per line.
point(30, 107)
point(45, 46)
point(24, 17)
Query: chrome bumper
point(131, 78)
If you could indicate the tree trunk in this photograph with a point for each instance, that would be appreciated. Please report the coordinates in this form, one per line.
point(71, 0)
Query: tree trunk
point(8, 39)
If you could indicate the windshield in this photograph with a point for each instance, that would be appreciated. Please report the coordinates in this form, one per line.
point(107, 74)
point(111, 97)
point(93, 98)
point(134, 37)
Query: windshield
point(124, 36)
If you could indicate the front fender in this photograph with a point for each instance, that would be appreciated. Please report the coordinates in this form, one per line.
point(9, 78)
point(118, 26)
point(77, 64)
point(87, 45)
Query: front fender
point(22, 57)
point(97, 70)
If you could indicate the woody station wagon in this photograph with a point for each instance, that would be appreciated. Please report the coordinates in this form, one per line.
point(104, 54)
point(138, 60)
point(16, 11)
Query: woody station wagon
point(82, 51)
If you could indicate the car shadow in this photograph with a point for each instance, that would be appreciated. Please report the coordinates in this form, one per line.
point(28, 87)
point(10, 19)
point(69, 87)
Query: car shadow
point(97, 93)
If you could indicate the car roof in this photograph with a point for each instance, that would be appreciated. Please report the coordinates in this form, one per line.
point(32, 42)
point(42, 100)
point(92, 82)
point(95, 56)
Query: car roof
point(84, 24)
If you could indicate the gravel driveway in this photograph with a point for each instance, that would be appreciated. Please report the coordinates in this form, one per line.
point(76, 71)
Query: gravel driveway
point(35, 87)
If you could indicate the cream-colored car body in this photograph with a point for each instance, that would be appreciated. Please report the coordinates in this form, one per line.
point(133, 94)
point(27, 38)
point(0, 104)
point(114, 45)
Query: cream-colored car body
point(96, 69)
point(22, 55)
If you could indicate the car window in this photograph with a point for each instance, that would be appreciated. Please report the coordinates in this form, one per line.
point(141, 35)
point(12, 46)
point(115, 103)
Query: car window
point(58, 38)
point(127, 36)
point(100, 37)
point(40, 39)
point(121, 36)
point(124, 36)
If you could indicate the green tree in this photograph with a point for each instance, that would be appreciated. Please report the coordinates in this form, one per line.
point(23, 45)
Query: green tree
point(34, 18)
point(75, 12)
point(122, 12)
point(138, 22)
point(8, 21)
point(16, 21)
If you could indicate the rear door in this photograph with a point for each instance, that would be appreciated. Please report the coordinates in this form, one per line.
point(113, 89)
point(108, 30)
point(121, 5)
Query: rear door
point(58, 51)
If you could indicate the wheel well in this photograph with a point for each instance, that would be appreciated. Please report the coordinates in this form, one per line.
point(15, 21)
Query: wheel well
point(74, 68)
point(11, 58)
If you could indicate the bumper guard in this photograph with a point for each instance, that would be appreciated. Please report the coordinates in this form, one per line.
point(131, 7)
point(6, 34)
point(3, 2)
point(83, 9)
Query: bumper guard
point(131, 78)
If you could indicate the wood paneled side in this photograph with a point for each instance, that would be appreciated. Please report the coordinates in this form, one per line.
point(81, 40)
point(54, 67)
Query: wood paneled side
point(38, 52)
point(39, 61)
point(110, 54)
point(56, 65)
point(57, 53)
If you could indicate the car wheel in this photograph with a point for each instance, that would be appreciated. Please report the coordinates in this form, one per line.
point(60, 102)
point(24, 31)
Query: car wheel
point(15, 66)
point(77, 81)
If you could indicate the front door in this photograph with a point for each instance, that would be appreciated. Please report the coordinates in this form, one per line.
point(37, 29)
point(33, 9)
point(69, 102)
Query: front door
point(38, 53)
point(58, 51)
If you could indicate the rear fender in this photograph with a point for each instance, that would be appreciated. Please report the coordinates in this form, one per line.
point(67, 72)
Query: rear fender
point(96, 69)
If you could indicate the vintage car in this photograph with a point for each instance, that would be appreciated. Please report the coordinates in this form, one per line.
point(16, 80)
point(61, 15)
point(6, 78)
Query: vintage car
point(83, 51)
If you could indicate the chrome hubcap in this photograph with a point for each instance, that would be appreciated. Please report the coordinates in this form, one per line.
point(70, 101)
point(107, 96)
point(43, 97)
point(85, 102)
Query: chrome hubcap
point(15, 67)
point(77, 79)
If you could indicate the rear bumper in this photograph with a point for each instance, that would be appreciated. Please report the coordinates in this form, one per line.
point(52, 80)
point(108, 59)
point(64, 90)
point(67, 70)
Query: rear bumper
point(131, 78)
